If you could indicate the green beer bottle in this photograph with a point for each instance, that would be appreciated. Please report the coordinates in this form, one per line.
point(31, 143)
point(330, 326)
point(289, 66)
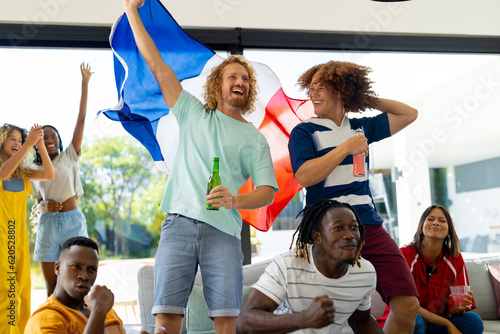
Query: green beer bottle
point(213, 181)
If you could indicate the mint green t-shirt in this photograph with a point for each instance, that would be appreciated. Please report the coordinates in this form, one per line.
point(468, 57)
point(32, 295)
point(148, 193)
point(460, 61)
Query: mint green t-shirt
point(242, 150)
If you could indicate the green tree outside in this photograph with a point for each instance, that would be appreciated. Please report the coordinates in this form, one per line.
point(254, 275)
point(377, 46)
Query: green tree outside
point(122, 193)
point(123, 190)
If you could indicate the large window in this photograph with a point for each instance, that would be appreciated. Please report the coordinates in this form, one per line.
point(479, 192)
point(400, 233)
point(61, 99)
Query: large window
point(121, 200)
point(443, 157)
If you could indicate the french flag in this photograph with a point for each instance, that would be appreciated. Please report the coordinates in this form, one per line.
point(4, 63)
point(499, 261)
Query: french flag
point(144, 114)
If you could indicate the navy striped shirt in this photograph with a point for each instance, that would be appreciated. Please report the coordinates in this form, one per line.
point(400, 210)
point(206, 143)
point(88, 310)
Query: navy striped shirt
point(316, 137)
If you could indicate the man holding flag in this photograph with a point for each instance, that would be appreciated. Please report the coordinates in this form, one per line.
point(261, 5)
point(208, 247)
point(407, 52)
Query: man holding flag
point(192, 235)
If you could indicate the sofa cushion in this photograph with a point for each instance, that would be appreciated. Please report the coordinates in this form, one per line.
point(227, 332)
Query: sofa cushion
point(378, 305)
point(198, 321)
point(480, 283)
point(476, 267)
point(494, 270)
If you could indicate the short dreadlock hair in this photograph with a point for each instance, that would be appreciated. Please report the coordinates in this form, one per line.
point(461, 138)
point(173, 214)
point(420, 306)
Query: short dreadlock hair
point(313, 215)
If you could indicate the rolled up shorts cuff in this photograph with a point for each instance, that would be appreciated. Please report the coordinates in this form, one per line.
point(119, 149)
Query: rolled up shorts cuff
point(224, 313)
point(165, 309)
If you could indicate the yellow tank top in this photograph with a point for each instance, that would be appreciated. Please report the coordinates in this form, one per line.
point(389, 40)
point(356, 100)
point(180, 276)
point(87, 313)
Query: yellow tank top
point(15, 280)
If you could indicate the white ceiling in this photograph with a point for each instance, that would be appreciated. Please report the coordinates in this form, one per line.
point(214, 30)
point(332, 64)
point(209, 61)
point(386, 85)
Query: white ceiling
point(448, 17)
point(466, 110)
point(459, 116)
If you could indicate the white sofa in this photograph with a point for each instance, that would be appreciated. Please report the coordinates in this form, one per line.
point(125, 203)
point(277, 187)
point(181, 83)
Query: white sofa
point(476, 267)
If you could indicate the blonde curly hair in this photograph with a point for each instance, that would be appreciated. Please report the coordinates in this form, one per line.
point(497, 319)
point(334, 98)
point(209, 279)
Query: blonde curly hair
point(22, 170)
point(212, 87)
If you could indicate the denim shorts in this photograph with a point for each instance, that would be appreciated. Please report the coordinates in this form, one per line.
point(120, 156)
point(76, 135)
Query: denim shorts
point(185, 244)
point(54, 228)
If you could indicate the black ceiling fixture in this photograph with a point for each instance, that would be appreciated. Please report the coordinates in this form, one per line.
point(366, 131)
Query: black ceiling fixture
point(390, 0)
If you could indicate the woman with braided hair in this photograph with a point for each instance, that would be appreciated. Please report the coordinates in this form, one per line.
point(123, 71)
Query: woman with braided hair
point(316, 287)
point(60, 216)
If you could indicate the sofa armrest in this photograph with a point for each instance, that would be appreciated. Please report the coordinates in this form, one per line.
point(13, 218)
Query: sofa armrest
point(145, 279)
point(480, 283)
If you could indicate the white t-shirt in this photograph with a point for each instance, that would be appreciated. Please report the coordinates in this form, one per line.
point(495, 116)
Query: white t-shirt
point(293, 283)
point(66, 183)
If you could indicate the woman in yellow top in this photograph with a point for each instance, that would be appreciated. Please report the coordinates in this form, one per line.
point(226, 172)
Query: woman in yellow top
point(16, 150)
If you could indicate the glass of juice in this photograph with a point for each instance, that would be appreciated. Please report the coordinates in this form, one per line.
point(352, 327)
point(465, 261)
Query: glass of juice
point(458, 293)
point(358, 161)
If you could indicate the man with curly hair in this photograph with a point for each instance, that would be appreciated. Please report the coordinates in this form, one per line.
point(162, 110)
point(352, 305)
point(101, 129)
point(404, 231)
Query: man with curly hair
point(192, 236)
point(322, 150)
point(319, 286)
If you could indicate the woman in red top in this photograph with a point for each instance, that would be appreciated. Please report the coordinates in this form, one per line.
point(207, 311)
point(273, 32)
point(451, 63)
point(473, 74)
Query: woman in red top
point(436, 264)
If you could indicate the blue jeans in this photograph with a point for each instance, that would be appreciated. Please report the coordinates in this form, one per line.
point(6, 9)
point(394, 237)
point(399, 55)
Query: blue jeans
point(185, 244)
point(467, 323)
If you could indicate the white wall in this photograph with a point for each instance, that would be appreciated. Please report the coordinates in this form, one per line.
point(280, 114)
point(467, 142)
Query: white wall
point(453, 17)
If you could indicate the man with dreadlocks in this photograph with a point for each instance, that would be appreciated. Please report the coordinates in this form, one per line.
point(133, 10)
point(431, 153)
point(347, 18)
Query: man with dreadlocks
point(322, 150)
point(320, 285)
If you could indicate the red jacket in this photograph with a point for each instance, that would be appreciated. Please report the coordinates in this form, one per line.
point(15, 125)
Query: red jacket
point(434, 287)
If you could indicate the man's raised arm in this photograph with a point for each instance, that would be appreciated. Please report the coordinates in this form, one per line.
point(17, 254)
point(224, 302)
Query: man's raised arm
point(167, 80)
point(400, 114)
